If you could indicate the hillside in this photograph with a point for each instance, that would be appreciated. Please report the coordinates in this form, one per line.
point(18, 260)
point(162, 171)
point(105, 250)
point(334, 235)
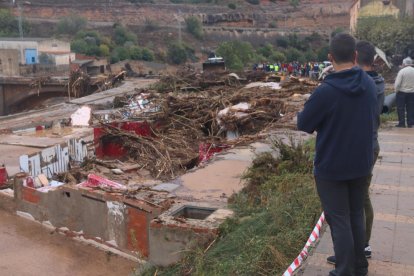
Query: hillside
point(159, 25)
point(270, 16)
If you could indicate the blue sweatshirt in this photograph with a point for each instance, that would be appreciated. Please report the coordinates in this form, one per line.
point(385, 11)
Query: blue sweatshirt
point(342, 110)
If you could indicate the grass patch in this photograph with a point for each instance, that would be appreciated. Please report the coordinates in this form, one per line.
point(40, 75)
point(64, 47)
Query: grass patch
point(389, 117)
point(274, 214)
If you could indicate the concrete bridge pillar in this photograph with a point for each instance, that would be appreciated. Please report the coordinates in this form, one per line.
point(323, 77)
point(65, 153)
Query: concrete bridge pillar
point(2, 106)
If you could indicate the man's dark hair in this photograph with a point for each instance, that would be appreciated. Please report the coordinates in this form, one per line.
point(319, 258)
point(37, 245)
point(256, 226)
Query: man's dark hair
point(366, 53)
point(342, 48)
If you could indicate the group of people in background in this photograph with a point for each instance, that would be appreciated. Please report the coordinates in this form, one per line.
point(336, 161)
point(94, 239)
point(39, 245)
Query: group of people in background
point(404, 84)
point(308, 69)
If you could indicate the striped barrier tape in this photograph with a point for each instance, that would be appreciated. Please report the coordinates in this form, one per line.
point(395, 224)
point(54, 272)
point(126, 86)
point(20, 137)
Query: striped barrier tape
point(313, 238)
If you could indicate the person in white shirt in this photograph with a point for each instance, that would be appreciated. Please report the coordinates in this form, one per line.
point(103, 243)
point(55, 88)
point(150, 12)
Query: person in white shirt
point(404, 86)
point(407, 59)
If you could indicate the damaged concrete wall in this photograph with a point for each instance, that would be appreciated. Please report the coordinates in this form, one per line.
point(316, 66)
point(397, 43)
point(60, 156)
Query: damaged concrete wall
point(176, 231)
point(116, 223)
point(101, 218)
point(167, 244)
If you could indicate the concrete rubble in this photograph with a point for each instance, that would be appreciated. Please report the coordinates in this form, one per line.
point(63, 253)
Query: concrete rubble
point(144, 170)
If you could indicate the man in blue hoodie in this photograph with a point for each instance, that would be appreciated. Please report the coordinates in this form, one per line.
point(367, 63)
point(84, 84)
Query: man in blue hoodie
point(342, 110)
point(366, 55)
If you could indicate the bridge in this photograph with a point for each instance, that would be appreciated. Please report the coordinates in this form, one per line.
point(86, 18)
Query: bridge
point(16, 90)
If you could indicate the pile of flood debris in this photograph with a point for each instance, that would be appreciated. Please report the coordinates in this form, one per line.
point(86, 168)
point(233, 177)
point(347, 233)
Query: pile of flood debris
point(190, 109)
point(81, 84)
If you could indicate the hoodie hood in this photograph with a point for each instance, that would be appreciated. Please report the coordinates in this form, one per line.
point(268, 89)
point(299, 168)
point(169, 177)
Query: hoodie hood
point(349, 81)
point(379, 81)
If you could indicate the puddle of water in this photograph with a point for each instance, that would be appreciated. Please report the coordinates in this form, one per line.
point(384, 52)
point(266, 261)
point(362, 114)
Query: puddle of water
point(217, 180)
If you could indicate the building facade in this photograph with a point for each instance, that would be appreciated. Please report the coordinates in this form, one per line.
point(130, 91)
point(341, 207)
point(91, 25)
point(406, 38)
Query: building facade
point(28, 54)
point(9, 65)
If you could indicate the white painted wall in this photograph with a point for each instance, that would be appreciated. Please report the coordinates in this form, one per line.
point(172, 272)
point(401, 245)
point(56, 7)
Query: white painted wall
point(64, 59)
point(54, 46)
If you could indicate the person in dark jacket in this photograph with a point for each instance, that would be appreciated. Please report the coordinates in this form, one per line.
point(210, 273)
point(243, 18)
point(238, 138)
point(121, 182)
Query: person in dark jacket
point(342, 111)
point(366, 55)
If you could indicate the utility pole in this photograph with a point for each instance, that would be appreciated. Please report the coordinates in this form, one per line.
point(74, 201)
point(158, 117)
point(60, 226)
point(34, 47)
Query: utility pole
point(19, 8)
point(179, 19)
point(409, 8)
point(19, 19)
point(180, 39)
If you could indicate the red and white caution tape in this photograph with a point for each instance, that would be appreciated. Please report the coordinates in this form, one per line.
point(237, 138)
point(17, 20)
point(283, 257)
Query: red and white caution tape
point(313, 238)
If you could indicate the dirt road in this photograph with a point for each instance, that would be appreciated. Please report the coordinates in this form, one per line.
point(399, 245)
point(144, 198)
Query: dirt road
point(28, 249)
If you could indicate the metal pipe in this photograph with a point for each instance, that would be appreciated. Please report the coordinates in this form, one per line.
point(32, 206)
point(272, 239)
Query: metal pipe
point(389, 102)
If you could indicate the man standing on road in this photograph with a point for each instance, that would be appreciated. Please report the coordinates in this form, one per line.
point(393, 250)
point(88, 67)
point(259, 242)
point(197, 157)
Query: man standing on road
point(366, 54)
point(342, 111)
point(404, 86)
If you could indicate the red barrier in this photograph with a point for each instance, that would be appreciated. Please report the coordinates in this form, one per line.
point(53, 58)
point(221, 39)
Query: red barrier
point(3, 176)
point(112, 147)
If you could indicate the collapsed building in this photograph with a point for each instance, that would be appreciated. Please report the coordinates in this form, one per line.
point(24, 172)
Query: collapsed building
point(122, 175)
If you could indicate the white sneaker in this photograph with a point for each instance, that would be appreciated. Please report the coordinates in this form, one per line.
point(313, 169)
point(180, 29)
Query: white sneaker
point(368, 252)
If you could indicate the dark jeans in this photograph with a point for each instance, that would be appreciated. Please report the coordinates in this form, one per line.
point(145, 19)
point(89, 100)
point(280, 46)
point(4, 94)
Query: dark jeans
point(343, 204)
point(405, 102)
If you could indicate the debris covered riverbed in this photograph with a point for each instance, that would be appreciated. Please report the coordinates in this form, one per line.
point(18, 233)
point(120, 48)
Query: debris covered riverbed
point(186, 110)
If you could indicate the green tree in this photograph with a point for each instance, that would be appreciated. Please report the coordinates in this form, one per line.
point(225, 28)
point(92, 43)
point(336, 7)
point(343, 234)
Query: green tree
point(310, 55)
point(104, 50)
point(237, 54)
point(194, 26)
point(266, 50)
point(282, 42)
point(232, 6)
point(79, 46)
point(122, 35)
point(278, 56)
point(89, 34)
point(392, 35)
point(135, 53)
point(119, 54)
point(177, 53)
point(71, 24)
point(322, 53)
point(298, 43)
point(147, 54)
point(9, 26)
point(293, 54)
point(294, 3)
point(89, 43)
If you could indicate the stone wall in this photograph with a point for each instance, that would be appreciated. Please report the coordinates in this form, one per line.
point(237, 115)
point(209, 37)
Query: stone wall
point(311, 15)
